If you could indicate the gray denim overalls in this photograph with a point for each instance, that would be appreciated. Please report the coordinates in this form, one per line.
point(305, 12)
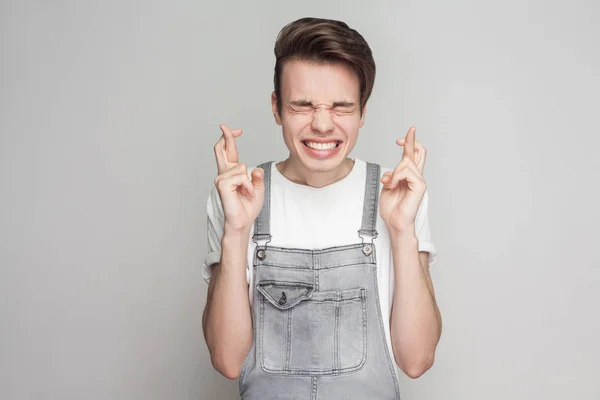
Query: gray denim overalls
point(317, 323)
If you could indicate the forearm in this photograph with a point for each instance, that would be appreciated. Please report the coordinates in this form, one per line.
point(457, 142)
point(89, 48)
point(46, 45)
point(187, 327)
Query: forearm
point(227, 320)
point(415, 321)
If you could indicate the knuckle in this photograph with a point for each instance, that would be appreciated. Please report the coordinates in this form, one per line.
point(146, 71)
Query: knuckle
point(240, 168)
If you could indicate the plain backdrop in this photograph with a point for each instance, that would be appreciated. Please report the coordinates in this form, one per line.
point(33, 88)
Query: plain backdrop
point(108, 114)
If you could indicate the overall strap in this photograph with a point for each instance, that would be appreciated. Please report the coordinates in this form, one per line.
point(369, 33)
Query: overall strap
point(367, 231)
point(262, 224)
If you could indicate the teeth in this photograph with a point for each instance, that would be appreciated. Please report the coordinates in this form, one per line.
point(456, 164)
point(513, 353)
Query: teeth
point(321, 146)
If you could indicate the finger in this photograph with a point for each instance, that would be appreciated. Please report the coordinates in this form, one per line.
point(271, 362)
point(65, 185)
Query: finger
point(406, 174)
point(248, 188)
point(238, 169)
point(401, 142)
point(407, 163)
point(239, 182)
point(409, 144)
point(223, 164)
point(413, 167)
point(258, 175)
point(231, 151)
point(220, 156)
point(387, 176)
point(420, 153)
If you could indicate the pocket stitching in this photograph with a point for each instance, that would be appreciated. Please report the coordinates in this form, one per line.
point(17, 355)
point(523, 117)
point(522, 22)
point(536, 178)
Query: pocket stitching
point(267, 296)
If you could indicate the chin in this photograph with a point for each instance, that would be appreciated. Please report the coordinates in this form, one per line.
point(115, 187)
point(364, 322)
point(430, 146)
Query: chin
point(322, 165)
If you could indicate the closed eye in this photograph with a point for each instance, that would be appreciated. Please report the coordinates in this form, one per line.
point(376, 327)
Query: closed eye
point(301, 109)
point(305, 107)
point(344, 110)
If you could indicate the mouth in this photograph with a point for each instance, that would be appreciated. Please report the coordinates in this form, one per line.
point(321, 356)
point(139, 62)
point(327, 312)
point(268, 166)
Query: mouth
point(322, 146)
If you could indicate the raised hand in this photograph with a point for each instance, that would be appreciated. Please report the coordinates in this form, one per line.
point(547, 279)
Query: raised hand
point(241, 197)
point(404, 188)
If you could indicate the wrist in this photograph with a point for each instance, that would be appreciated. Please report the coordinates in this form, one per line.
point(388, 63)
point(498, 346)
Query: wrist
point(403, 233)
point(405, 237)
point(404, 241)
point(234, 249)
point(235, 236)
point(235, 232)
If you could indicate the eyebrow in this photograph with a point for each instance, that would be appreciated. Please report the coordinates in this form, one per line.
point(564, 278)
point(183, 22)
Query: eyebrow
point(305, 103)
point(301, 103)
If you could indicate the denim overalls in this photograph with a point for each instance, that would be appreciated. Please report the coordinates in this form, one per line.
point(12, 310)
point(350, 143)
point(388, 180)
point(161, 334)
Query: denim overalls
point(317, 324)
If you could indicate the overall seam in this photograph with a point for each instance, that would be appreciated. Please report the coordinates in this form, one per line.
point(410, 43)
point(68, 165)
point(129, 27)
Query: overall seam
point(261, 329)
point(365, 327)
point(245, 365)
point(289, 266)
point(288, 355)
point(382, 334)
point(336, 333)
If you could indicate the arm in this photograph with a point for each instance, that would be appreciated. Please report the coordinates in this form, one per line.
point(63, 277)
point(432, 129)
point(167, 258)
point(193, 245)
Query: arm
point(415, 320)
point(227, 322)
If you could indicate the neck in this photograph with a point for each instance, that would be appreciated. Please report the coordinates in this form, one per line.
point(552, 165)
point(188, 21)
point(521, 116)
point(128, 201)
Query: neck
point(297, 173)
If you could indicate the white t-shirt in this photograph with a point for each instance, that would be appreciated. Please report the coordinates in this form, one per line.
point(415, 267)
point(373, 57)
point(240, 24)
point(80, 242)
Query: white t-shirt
point(314, 218)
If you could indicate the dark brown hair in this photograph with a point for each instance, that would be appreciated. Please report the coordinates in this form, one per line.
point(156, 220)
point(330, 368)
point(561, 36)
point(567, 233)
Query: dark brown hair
point(325, 41)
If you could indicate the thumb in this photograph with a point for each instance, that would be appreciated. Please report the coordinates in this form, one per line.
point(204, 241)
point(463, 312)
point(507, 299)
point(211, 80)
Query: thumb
point(258, 176)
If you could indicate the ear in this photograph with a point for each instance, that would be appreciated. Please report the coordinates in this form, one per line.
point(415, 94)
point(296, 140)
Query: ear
point(362, 116)
point(274, 108)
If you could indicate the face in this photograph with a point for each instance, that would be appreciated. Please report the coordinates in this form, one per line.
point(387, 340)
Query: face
point(320, 114)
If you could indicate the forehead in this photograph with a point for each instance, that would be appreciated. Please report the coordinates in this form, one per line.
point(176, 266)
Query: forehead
point(319, 83)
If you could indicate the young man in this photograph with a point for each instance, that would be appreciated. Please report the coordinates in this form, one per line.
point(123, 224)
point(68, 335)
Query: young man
point(318, 266)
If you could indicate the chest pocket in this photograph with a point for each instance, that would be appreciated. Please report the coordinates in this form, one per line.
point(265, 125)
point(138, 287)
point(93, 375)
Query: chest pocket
point(306, 332)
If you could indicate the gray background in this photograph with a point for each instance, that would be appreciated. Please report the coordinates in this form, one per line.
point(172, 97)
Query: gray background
point(109, 111)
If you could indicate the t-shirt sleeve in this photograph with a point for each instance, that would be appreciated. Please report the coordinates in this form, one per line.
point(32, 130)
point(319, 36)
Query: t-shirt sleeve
point(423, 230)
point(214, 226)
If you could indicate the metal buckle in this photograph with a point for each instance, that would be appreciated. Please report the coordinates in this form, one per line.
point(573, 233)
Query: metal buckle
point(261, 245)
point(368, 246)
point(261, 240)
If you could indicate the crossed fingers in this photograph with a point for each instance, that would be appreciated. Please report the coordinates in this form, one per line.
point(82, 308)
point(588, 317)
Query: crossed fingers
point(226, 151)
point(413, 150)
point(412, 164)
point(234, 178)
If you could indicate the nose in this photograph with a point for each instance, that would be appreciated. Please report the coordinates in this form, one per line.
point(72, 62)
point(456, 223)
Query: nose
point(321, 120)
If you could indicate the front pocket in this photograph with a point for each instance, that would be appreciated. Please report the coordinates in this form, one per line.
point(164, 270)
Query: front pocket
point(304, 332)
